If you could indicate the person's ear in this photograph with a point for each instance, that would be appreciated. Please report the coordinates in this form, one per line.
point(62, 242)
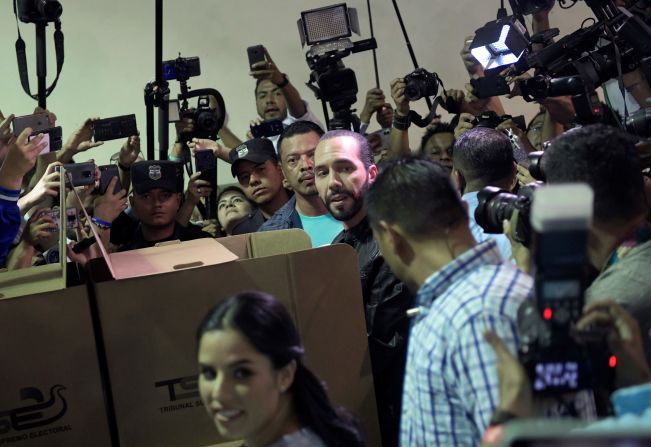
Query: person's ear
point(286, 376)
point(396, 238)
point(372, 173)
point(458, 179)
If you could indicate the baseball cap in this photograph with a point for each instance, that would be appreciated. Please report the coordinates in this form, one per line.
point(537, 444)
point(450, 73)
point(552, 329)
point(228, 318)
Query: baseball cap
point(257, 150)
point(150, 174)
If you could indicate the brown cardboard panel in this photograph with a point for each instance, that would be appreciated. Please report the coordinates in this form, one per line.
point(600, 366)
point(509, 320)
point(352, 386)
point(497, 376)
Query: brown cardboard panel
point(270, 243)
point(149, 329)
point(238, 244)
point(51, 393)
point(149, 326)
point(32, 280)
point(332, 327)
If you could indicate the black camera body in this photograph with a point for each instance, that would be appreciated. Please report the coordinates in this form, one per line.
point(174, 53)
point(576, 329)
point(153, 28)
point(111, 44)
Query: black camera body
point(267, 129)
point(558, 358)
point(491, 120)
point(206, 123)
point(38, 11)
point(420, 83)
point(496, 205)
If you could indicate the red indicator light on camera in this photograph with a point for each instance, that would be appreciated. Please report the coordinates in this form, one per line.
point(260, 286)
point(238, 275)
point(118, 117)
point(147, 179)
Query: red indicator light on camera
point(612, 361)
point(548, 314)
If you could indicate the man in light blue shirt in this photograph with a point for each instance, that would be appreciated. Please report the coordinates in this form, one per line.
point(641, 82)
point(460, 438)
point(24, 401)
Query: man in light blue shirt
point(464, 289)
point(483, 157)
point(305, 209)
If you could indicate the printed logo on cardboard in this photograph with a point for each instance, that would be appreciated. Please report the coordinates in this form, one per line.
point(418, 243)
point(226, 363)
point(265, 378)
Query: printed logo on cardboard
point(29, 420)
point(180, 392)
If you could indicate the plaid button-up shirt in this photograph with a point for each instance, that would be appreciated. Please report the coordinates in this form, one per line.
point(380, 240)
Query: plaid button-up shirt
point(451, 387)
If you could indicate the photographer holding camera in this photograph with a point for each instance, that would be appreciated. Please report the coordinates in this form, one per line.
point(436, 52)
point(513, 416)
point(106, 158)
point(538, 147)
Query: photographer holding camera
point(276, 98)
point(619, 241)
point(421, 226)
point(483, 157)
point(625, 341)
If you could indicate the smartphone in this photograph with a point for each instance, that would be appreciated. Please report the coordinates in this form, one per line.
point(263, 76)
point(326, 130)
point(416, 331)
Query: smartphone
point(115, 128)
point(53, 136)
point(173, 111)
point(206, 162)
point(267, 129)
point(256, 54)
point(82, 174)
point(37, 121)
point(107, 172)
point(83, 244)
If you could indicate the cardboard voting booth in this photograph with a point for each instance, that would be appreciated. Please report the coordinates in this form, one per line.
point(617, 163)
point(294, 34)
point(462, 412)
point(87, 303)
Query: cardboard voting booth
point(148, 327)
point(51, 391)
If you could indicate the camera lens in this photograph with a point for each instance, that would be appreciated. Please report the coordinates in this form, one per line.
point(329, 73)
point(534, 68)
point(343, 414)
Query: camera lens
point(535, 168)
point(413, 92)
point(639, 123)
point(495, 205)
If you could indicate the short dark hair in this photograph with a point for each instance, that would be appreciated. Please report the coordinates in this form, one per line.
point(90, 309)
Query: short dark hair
point(605, 158)
point(297, 128)
point(483, 154)
point(417, 194)
point(266, 324)
point(431, 131)
point(365, 152)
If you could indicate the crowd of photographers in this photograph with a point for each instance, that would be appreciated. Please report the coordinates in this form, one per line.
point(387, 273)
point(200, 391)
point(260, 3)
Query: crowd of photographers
point(441, 228)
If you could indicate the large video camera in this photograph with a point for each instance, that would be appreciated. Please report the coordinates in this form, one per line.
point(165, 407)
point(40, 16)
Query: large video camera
point(207, 121)
point(618, 42)
point(327, 30)
point(557, 358)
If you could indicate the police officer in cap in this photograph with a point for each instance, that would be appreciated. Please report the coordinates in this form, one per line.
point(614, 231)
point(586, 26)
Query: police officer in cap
point(158, 189)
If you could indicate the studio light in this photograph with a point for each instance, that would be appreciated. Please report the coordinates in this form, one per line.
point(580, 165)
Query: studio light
point(328, 28)
point(499, 43)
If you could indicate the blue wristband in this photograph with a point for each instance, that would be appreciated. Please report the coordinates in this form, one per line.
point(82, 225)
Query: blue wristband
point(101, 223)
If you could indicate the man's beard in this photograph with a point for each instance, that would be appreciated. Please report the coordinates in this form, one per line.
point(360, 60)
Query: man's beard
point(358, 202)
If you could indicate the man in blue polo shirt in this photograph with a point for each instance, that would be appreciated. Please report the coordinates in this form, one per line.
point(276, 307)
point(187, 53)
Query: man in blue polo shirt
point(305, 209)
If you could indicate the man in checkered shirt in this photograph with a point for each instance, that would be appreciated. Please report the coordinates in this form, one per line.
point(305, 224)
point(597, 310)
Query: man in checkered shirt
point(464, 288)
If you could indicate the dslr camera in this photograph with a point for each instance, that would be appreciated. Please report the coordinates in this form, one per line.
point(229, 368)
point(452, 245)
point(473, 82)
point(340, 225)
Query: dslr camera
point(558, 358)
point(206, 124)
point(38, 11)
point(497, 205)
point(491, 120)
point(420, 83)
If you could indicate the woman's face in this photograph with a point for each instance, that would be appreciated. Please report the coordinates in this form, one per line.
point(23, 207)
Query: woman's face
point(231, 208)
point(242, 392)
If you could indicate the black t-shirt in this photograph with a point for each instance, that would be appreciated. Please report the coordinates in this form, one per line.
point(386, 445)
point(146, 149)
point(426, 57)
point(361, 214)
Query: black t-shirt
point(181, 233)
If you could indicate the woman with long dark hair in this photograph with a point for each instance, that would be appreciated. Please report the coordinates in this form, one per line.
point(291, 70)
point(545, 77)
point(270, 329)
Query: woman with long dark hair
point(254, 384)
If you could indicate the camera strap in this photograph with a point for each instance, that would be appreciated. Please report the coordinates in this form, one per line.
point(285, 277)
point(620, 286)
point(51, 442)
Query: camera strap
point(424, 122)
point(21, 57)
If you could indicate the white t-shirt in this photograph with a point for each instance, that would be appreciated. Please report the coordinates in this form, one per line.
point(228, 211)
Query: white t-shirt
point(308, 116)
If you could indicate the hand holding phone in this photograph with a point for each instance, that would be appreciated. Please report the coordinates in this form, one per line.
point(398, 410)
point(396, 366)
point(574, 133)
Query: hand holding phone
point(256, 54)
